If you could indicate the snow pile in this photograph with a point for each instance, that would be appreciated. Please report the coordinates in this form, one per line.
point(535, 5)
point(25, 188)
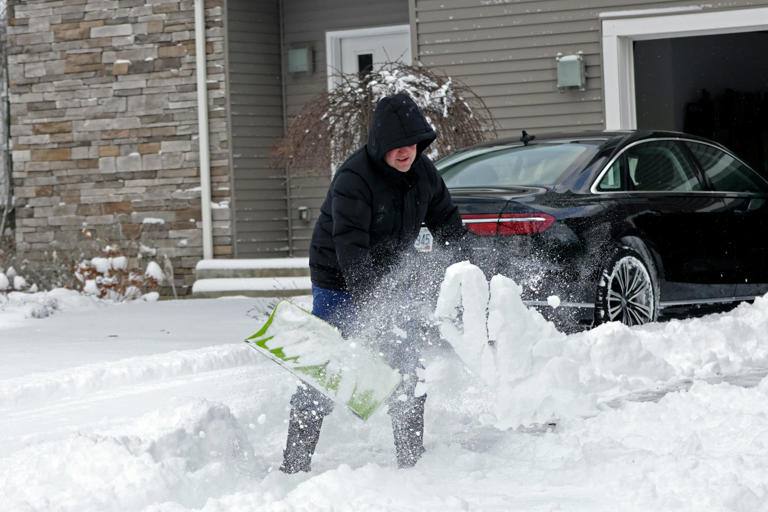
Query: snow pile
point(702, 449)
point(537, 374)
point(161, 408)
point(87, 379)
point(189, 454)
point(15, 307)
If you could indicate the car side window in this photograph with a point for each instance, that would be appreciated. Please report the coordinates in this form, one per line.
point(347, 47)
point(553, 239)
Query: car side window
point(725, 172)
point(660, 166)
point(611, 181)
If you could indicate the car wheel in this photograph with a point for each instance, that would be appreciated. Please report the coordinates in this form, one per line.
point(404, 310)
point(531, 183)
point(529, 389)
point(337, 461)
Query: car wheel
point(627, 289)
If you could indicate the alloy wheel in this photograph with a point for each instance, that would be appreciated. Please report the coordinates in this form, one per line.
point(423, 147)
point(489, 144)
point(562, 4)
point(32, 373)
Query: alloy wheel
point(630, 298)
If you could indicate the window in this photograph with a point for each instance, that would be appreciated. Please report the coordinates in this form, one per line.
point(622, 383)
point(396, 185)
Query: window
point(725, 172)
point(536, 164)
point(612, 181)
point(660, 166)
point(364, 63)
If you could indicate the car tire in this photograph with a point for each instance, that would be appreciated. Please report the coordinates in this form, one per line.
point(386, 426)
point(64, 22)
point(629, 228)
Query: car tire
point(627, 288)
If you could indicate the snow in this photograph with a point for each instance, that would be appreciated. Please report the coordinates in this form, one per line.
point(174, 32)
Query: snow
point(120, 263)
point(261, 263)
point(91, 287)
point(160, 407)
point(553, 301)
point(154, 271)
point(19, 283)
point(104, 264)
point(245, 284)
point(650, 12)
point(537, 374)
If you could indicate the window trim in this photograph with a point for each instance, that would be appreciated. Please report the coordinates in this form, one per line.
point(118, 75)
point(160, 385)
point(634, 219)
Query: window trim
point(621, 28)
point(623, 174)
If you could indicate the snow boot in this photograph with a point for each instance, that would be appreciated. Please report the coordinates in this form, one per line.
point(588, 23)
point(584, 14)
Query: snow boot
point(303, 434)
point(408, 430)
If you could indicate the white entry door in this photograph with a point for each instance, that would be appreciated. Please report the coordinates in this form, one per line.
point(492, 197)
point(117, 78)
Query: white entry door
point(352, 51)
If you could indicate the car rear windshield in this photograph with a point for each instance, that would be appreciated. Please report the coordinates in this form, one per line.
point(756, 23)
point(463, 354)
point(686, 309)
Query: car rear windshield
point(536, 164)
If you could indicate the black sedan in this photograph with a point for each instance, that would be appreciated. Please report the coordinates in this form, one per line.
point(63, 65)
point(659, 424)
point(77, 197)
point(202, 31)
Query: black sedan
point(615, 226)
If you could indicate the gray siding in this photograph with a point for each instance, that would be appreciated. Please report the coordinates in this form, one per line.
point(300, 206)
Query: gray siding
point(306, 21)
point(256, 109)
point(505, 51)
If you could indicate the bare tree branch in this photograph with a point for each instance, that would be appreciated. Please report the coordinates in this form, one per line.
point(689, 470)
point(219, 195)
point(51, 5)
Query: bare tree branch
point(334, 124)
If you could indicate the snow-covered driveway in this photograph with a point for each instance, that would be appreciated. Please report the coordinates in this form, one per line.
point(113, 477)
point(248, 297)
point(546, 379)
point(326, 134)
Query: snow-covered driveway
point(161, 407)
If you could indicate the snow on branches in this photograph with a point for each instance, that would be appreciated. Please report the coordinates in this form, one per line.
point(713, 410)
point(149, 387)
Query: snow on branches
point(334, 124)
point(109, 277)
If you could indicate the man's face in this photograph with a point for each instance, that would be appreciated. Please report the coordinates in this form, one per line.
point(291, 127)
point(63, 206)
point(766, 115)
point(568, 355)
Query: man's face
point(401, 158)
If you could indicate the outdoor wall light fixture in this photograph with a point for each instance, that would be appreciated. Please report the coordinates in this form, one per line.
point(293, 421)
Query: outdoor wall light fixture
point(571, 71)
point(304, 213)
point(300, 60)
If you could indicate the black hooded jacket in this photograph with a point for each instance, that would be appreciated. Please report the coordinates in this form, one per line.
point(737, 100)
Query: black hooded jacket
point(373, 212)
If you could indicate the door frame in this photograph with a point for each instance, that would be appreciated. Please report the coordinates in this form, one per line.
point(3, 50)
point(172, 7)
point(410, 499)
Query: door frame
point(333, 44)
point(619, 31)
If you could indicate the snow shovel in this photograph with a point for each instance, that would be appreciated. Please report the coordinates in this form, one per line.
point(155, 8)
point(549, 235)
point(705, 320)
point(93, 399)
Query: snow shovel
point(315, 351)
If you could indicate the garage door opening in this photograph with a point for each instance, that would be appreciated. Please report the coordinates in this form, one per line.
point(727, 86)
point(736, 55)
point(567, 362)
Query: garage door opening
point(715, 86)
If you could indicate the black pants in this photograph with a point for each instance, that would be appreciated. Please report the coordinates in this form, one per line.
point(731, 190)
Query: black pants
point(309, 407)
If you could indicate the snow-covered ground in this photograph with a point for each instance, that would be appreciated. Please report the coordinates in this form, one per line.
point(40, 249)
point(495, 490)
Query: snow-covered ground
point(159, 406)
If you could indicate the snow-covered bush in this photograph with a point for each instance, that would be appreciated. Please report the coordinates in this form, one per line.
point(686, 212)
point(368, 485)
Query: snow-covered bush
point(334, 124)
point(97, 269)
point(12, 281)
point(19, 283)
point(109, 277)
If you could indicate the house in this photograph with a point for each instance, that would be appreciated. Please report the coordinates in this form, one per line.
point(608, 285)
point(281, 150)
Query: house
point(113, 100)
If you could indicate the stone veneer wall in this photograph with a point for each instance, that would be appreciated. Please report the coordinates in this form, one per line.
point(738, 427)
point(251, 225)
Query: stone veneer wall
point(104, 128)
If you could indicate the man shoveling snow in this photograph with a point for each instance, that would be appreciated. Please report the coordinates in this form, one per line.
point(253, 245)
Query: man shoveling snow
point(376, 205)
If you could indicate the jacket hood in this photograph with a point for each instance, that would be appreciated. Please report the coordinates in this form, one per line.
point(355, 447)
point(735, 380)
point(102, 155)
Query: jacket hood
point(397, 121)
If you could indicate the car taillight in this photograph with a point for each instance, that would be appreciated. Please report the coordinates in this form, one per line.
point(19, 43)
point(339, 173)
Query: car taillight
point(508, 223)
